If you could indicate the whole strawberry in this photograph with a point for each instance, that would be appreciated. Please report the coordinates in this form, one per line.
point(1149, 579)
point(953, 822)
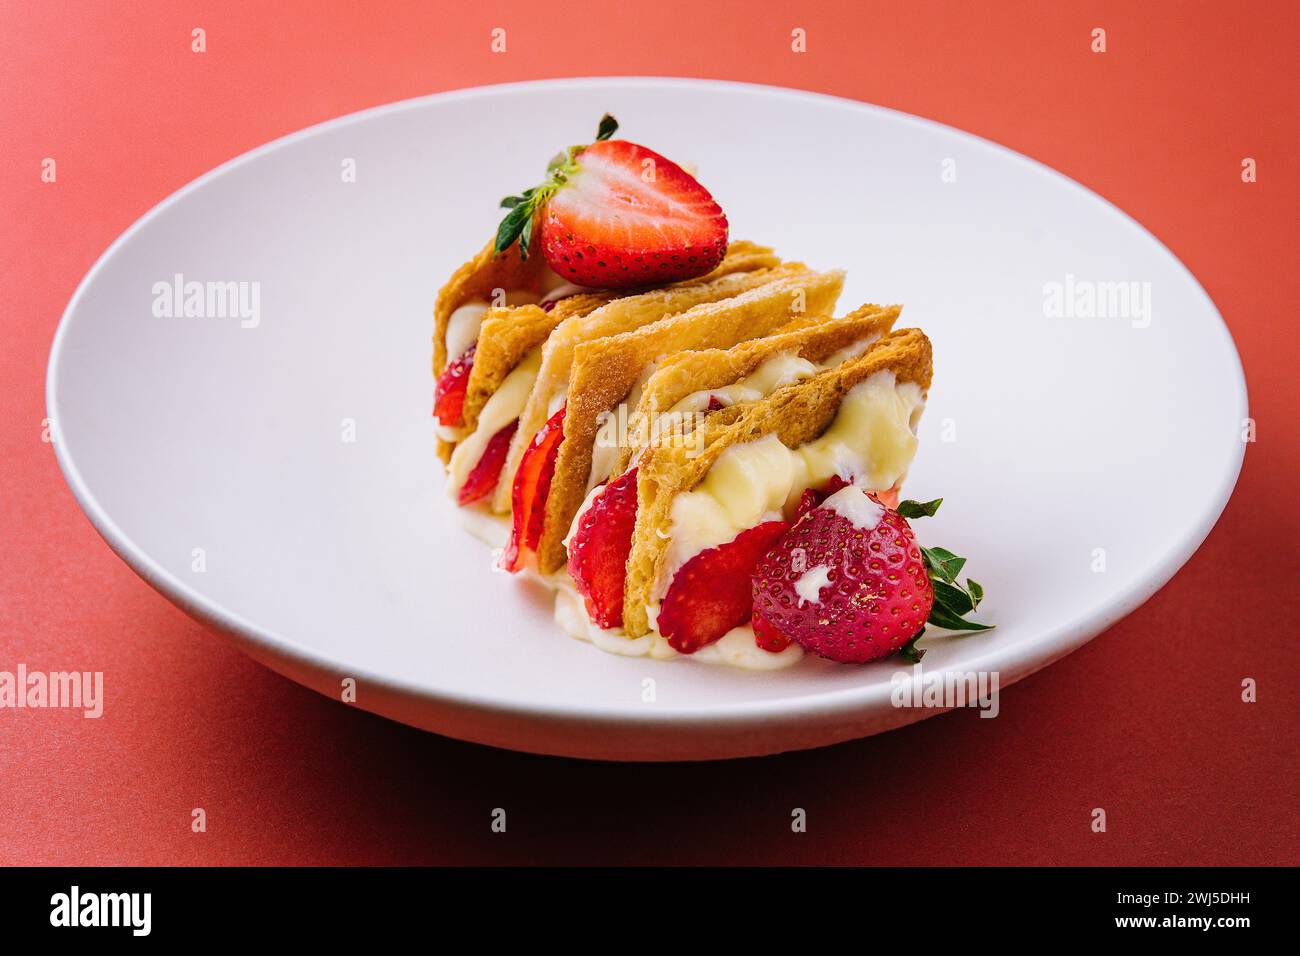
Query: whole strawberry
point(616, 215)
point(847, 581)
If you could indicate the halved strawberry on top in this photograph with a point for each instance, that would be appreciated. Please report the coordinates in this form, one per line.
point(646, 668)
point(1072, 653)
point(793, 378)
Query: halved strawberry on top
point(599, 549)
point(616, 215)
point(532, 485)
point(449, 393)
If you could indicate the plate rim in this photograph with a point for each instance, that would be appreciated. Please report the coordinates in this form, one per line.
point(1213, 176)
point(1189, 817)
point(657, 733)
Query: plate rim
point(273, 650)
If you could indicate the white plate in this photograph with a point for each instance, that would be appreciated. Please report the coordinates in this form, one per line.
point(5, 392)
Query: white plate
point(1048, 437)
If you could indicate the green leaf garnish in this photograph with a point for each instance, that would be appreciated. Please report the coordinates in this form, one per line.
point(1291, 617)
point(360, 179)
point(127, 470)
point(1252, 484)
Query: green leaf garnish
point(941, 617)
point(512, 226)
point(518, 222)
point(944, 563)
point(919, 509)
point(952, 600)
point(526, 238)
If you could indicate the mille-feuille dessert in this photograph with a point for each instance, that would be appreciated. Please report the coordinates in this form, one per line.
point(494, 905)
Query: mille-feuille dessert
point(677, 433)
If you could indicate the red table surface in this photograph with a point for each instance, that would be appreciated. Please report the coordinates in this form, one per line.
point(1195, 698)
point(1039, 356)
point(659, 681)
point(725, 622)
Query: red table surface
point(1147, 721)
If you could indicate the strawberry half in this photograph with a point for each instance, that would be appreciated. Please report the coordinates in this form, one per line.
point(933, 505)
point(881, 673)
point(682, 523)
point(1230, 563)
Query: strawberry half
point(711, 593)
point(483, 477)
point(449, 393)
point(599, 549)
point(848, 581)
point(528, 495)
point(615, 215)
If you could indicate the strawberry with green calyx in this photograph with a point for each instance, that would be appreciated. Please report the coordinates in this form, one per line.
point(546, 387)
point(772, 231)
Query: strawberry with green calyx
point(952, 599)
point(615, 215)
point(850, 583)
point(846, 582)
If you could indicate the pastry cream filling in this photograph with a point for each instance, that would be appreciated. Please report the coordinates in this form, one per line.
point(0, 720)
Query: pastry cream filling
point(463, 324)
point(870, 442)
point(604, 451)
point(774, 372)
point(777, 371)
point(505, 405)
point(785, 368)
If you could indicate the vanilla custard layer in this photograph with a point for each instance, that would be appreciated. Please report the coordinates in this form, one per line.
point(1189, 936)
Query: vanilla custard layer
point(463, 325)
point(605, 449)
point(777, 371)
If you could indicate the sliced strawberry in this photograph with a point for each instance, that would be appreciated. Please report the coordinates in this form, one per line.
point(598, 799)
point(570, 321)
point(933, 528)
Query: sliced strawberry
point(599, 549)
point(528, 496)
point(483, 477)
point(613, 226)
point(712, 593)
point(449, 393)
point(714, 404)
point(768, 637)
point(615, 215)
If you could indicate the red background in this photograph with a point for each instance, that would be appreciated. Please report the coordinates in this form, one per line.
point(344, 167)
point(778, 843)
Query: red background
point(1146, 721)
